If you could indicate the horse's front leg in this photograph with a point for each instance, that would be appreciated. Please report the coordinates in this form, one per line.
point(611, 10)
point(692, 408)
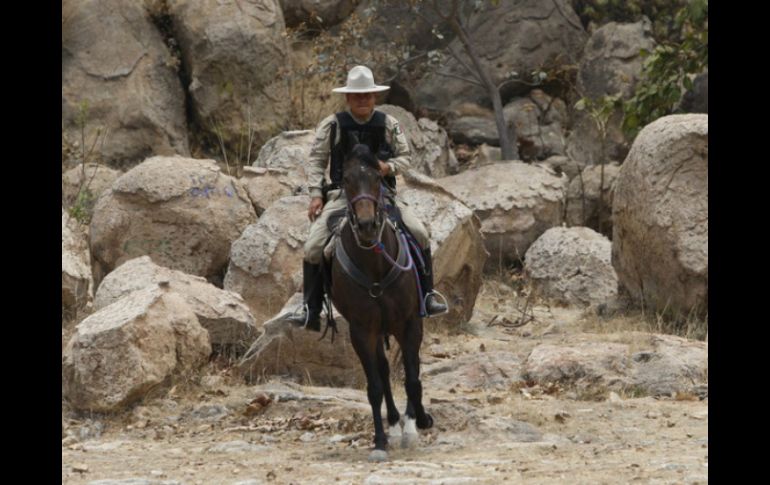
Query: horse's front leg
point(365, 344)
point(394, 427)
point(416, 417)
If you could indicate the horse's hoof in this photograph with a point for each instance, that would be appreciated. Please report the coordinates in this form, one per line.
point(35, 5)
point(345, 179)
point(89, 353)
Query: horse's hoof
point(427, 423)
point(409, 440)
point(394, 431)
point(378, 456)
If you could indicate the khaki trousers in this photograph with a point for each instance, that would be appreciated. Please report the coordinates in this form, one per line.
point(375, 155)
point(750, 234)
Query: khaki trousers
point(319, 229)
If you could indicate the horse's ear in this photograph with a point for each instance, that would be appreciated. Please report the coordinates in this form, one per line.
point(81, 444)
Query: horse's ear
point(354, 138)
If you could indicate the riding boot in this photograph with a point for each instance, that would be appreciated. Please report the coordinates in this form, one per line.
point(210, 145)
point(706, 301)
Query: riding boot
point(432, 307)
point(312, 290)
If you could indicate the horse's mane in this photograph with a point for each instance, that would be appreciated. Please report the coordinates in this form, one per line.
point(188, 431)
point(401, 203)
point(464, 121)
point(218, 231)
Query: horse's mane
point(364, 154)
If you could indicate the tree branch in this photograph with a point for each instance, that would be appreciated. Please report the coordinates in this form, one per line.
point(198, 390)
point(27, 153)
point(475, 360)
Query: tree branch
point(462, 63)
point(556, 3)
point(402, 64)
point(472, 81)
point(500, 86)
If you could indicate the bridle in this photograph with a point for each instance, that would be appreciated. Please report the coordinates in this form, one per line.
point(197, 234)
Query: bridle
point(379, 218)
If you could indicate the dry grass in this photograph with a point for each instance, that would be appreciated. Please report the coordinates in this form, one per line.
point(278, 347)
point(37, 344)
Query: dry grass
point(635, 320)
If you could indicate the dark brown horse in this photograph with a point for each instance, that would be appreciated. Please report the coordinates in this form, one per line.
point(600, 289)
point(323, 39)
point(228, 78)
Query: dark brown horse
point(374, 288)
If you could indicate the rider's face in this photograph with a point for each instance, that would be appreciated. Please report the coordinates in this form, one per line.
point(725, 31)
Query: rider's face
point(361, 104)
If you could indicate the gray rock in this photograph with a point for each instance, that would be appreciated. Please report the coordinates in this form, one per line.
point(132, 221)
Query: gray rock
point(509, 35)
point(561, 164)
point(488, 370)
point(428, 143)
point(456, 243)
point(233, 54)
point(284, 349)
point(266, 260)
point(583, 196)
point(611, 65)
point(572, 266)
point(237, 446)
point(183, 213)
point(209, 412)
point(122, 351)
point(660, 214)
point(133, 481)
point(474, 130)
point(116, 66)
point(611, 62)
point(539, 122)
point(76, 281)
point(515, 202)
point(223, 313)
point(664, 364)
point(93, 178)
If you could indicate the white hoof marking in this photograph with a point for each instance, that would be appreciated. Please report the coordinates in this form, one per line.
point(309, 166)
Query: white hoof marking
point(378, 456)
point(410, 437)
point(394, 431)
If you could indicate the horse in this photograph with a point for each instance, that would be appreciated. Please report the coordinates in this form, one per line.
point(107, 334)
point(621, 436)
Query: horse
point(374, 287)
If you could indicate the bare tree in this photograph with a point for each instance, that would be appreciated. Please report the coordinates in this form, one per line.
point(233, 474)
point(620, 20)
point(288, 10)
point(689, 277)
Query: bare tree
point(479, 76)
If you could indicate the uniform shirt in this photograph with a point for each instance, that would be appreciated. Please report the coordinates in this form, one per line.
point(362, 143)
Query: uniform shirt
point(319, 153)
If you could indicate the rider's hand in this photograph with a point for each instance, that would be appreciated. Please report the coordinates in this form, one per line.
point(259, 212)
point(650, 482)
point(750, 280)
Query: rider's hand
point(384, 168)
point(314, 209)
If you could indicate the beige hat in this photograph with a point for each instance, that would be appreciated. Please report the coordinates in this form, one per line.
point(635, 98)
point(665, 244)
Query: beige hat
point(361, 80)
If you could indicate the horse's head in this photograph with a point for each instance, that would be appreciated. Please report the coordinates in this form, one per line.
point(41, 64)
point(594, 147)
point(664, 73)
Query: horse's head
point(363, 188)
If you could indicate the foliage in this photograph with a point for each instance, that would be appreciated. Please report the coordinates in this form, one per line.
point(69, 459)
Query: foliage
point(660, 12)
point(81, 207)
point(669, 69)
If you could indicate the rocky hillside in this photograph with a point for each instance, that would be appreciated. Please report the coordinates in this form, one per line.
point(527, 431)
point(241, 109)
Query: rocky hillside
point(576, 274)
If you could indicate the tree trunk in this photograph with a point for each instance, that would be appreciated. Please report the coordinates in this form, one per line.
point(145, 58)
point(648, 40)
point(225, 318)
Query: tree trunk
point(508, 150)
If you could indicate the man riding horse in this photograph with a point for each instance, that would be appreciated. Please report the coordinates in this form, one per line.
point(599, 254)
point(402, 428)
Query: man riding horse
point(334, 138)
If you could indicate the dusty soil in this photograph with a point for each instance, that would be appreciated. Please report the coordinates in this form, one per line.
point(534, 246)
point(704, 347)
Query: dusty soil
point(488, 428)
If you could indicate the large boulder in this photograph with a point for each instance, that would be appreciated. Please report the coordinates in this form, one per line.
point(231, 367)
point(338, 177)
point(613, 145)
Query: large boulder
point(266, 260)
point(289, 151)
point(126, 349)
point(660, 215)
point(223, 313)
point(316, 12)
point(428, 142)
point(233, 53)
point(587, 205)
point(510, 35)
point(572, 266)
point(437, 158)
point(120, 78)
point(611, 62)
point(611, 65)
point(474, 130)
point(649, 364)
point(183, 213)
point(515, 202)
point(287, 350)
point(266, 185)
point(539, 123)
point(76, 281)
point(456, 244)
point(91, 180)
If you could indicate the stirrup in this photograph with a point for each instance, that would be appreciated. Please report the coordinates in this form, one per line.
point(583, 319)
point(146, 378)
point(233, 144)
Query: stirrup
point(307, 314)
point(446, 303)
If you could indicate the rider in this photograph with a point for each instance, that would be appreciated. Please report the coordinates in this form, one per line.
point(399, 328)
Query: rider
point(383, 134)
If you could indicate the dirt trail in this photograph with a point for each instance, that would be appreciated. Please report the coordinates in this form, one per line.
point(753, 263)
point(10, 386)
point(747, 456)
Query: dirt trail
point(493, 432)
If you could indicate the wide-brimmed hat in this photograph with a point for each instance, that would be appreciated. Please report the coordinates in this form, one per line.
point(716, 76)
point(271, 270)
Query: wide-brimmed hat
point(360, 80)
